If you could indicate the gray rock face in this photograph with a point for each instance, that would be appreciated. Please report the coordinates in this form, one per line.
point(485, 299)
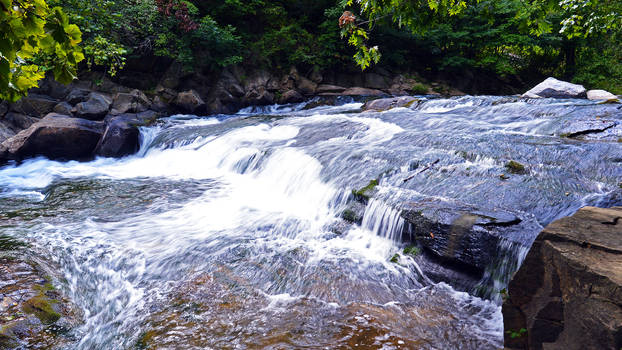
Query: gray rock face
point(34, 105)
point(95, 108)
point(56, 137)
point(376, 81)
point(133, 102)
point(568, 292)
point(5, 133)
point(554, 88)
point(189, 102)
point(601, 95)
point(384, 104)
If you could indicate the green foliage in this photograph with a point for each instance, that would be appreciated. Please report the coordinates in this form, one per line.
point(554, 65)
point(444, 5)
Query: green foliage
point(412, 250)
point(516, 334)
point(102, 52)
point(419, 89)
point(29, 31)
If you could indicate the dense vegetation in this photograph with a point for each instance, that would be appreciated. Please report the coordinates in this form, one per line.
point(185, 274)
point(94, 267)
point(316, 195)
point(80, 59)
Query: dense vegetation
point(575, 40)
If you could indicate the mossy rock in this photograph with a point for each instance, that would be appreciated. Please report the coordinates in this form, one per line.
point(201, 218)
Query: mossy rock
point(412, 251)
point(515, 167)
point(366, 192)
point(42, 307)
point(395, 258)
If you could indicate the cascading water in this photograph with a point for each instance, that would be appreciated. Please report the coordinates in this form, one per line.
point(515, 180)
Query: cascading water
point(218, 233)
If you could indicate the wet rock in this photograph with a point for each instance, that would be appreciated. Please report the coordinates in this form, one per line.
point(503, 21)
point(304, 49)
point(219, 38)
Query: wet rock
point(306, 86)
point(63, 108)
point(94, 108)
point(576, 128)
point(77, 95)
point(121, 137)
point(189, 102)
point(554, 88)
point(515, 167)
point(33, 313)
point(134, 102)
point(568, 292)
point(601, 95)
point(354, 212)
point(359, 91)
point(458, 233)
point(259, 96)
point(327, 88)
point(384, 104)
point(291, 96)
point(34, 105)
point(56, 137)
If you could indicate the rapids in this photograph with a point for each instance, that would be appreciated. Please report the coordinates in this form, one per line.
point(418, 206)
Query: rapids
point(219, 233)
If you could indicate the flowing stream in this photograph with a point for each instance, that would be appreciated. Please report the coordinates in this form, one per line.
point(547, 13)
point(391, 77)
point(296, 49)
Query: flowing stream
point(219, 233)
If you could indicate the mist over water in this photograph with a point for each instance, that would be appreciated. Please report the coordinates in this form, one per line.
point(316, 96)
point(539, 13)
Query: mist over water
point(219, 232)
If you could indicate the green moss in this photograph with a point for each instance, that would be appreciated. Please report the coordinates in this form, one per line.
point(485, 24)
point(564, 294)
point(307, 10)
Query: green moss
point(515, 167)
point(409, 104)
point(365, 191)
point(41, 307)
point(412, 250)
point(349, 215)
point(9, 243)
point(419, 89)
point(395, 258)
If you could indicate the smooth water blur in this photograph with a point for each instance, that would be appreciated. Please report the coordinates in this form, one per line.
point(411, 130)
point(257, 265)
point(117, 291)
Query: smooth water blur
point(217, 234)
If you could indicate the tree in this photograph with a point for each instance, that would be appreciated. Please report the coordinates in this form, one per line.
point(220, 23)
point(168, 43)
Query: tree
point(577, 18)
point(33, 40)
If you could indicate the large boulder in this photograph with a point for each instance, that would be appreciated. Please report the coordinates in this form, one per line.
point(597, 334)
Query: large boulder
point(34, 105)
point(329, 89)
point(56, 137)
point(568, 292)
point(189, 102)
point(306, 86)
point(384, 104)
point(554, 88)
point(291, 96)
point(63, 108)
point(122, 136)
point(94, 108)
point(458, 233)
point(133, 102)
point(601, 95)
point(259, 96)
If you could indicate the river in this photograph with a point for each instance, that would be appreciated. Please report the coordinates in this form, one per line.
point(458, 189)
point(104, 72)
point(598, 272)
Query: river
point(220, 233)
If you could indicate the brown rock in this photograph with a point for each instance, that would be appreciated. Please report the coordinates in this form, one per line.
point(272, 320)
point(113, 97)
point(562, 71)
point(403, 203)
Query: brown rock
point(56, 137)
point(359, 91)
point(34, 105)
point(95, 108)
point(133, 102)
point(384, 104)
point(306, 86)
point(291, 96)
point(189, 102)
point(568, 292)
point(326, 88)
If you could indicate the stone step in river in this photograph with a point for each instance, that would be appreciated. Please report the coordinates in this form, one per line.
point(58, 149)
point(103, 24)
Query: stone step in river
point(286, 227)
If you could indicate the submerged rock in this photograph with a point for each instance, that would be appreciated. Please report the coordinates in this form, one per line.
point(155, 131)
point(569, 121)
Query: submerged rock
point(554, 88)
point(568, 292)
point(384, 104)
point(33, 313)
point(458, 235)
